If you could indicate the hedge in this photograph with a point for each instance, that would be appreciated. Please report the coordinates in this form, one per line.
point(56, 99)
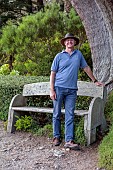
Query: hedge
point(106, 151)
point(106, 146)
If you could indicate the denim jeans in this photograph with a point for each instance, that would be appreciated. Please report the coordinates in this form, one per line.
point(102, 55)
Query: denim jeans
point(68, 97)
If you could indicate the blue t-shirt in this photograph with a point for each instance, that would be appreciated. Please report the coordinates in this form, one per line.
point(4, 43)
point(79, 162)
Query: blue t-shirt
point(66, 67)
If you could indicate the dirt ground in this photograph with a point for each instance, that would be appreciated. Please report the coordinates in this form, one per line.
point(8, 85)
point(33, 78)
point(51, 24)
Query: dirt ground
point(24, 151)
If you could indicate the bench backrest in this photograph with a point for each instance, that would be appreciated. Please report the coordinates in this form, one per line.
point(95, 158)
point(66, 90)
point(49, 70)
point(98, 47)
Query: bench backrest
point(84, 89)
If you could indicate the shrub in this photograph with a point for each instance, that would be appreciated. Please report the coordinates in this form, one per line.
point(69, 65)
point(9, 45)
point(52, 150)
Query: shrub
point(4, 69)
point(45, 131)
point(106, 151)
point(14, 73)
point(79, 132)
point(24, 123)
point(109, 108)
point(106, 147)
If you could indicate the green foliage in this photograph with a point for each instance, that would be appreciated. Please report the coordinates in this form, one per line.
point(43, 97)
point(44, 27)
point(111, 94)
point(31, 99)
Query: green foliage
point(79, 132)
point(85, 49)
point(24, 123)
point(5, 125)
point(72, 19)
point(34, 126)
point(109, 108)
point(4, 69)
point(31, 67)
point(7, 41)
point(3, 114)
point(45, 131)
point(83, 102)
point(106, 151)
point(14, 73)
point(34, 42)
point(15, 9)
point(78, 129)
point(106, 147)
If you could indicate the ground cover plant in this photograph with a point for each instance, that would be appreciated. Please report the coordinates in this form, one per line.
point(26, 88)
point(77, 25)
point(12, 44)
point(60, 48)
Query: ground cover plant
point(106, 146)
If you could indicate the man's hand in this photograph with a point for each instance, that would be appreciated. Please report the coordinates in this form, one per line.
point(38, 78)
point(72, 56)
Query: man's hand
point(99, 83)
point(52, 80)
point(87, 69)
point(52, 94)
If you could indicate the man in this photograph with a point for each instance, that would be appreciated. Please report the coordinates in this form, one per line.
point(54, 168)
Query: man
point(63, 88)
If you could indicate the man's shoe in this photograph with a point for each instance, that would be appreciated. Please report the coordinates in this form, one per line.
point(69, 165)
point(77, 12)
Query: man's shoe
point(56, 141)
point(72, 145)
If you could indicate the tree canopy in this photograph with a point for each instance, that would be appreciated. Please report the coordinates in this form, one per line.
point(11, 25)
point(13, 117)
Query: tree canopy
point(15, 9)
point(30, 46)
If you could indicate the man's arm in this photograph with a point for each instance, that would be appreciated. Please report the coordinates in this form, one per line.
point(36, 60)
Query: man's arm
point(52, 81)
point(90, 74)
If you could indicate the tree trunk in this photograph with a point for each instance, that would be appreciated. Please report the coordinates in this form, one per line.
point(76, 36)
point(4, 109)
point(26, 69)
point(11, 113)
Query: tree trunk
point(67, 6)
point(10, 62)
point(97, 17)
point(29, 7)
point(40, 5)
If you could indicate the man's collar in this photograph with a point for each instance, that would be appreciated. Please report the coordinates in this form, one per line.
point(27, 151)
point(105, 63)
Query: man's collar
point(63, 51)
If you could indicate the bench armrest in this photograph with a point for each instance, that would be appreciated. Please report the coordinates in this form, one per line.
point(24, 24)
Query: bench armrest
point(17, 100)
point(95, 118)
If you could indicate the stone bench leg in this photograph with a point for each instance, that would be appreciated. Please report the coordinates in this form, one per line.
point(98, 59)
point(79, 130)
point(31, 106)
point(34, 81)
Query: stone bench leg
point(12, 120)
point(17, 100)
point(95, 119)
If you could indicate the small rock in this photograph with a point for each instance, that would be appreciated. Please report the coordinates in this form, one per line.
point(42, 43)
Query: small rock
point(67, 149)
point(57, 166)
point(41, 148)
point(58, 153)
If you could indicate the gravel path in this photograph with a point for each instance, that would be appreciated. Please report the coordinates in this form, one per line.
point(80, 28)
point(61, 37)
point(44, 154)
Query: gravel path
point(23, 151)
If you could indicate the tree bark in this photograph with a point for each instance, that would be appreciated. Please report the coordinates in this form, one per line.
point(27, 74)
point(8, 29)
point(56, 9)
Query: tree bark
point(10, 62)
point(97, 17)
point(67, 6)
point(29, 7)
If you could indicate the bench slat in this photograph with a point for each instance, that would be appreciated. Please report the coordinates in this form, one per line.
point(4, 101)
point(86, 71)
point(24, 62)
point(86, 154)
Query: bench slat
point(34, 89)
point(43, 88)
point(90, 89)
point(47, 110)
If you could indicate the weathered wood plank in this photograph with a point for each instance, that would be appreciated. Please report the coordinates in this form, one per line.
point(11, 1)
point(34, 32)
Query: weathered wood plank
point(43, 88)
point(90, 89)
point(47, 110)
point(34, 89)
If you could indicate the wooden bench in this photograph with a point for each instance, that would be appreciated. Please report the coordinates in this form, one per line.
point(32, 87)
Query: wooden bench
point(93, 117)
